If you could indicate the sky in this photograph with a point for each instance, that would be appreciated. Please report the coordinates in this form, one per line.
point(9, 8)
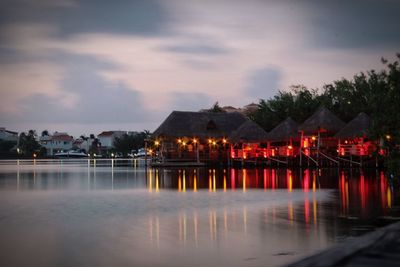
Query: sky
point(84, 66)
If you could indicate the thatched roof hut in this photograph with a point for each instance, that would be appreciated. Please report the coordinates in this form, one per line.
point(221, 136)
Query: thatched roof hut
point(248, 132)
point(286, 130)
point(358, 127)
point(322, 120)
point(199, 124)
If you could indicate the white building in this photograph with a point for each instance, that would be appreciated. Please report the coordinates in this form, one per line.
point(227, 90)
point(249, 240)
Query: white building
point(83, 144)
point(8, 135)
point(56, 143)
point(107, 138)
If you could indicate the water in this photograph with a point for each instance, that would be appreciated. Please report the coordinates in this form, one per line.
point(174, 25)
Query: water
point(115, 213)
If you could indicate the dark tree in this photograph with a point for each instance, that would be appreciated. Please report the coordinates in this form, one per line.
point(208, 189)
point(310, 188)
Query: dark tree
point(28, 143)
point(216, 108)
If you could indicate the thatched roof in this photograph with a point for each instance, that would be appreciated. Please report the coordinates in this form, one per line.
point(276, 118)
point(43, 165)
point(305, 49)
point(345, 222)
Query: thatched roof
point(249, 131)
point(322, 120)
point(199, 124)
point(358, 127)
point(284, 131)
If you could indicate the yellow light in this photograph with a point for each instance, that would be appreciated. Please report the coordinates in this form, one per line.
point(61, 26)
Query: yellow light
point(156, 143)
point(34, 155)
point(184, 143)
point(313, 138)
point(290, 147)
point(150, 151)
point(388, 137)
point(209, 141)
point(179, 141)
point(214, 143)
point(195, 141)
point(224, 141)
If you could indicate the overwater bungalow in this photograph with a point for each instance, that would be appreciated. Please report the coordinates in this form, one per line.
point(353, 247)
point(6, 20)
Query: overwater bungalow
point(284, 139)
point(248, 142)
point(318, 136)
point(196, 136)
point(354, 138)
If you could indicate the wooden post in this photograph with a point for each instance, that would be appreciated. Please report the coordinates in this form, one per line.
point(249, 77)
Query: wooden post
point(339, 148)
point(318, 145)
point(197, 153)
point(301, 147)
point(145, 152)
point(242, 155)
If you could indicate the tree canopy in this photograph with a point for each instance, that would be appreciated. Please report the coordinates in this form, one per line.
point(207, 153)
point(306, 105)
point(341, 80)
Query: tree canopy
point(376, 93)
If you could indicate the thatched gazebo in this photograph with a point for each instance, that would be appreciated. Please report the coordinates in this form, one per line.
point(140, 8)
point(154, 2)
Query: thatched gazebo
point(354, 137)
point(199, 125)
point(247, 139)
point(317, 135)
point(249, 132)
point(357, 127)
point(188, 135)
point(323, 120)
point(281, 138)
point(285, 131)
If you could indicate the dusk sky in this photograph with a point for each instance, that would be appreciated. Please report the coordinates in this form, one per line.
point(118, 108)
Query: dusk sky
point(93, 65)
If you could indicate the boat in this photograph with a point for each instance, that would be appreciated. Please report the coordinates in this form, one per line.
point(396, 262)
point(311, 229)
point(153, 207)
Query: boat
point(71, 154)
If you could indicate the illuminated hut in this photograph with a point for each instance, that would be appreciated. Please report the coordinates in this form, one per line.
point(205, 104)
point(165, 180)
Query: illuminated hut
point(196, 136)
point(283, 140)
point(317, 135)
point(354, 137)
point(248, 141)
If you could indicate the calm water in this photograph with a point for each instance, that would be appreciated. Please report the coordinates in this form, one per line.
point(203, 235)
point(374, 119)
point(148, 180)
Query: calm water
point(115, 213)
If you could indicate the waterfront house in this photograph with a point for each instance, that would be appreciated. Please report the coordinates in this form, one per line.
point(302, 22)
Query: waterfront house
point(56, 143)
point(249, 141)
point(7, 135)
point(354, 137)
point(317, 135)
point(284, 139)
point(107, 138)
point(196, 136)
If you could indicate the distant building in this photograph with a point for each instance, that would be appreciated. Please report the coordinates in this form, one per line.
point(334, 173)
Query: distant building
point(8, 135)
point(250, 108)
point(246, 110)
point(82, 144)
point(107, 138)
point(56, 143)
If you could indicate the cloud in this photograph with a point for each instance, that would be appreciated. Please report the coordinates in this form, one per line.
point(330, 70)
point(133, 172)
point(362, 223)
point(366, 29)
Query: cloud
point(87, 16)
point(190, 101)
point(353, 24)
point(264, 82)
point(196, 49)
point(91, 61)
point(93, 100)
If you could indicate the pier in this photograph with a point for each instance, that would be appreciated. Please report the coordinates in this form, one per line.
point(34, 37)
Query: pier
point(379, 248)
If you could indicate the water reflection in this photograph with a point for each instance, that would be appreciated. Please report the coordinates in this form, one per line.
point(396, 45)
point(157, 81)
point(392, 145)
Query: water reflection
point(188, 215)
